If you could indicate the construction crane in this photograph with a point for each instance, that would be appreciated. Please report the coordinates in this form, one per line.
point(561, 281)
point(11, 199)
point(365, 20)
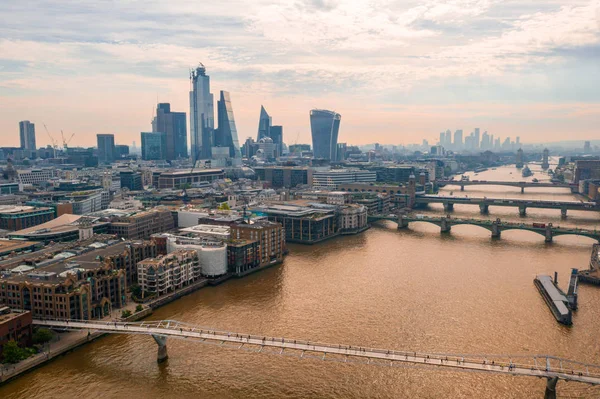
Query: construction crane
point(54, 145)
point(66, 142)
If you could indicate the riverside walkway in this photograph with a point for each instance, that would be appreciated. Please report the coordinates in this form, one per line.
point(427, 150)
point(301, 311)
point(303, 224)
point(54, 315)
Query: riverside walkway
point(496, 227)
point(542, 366)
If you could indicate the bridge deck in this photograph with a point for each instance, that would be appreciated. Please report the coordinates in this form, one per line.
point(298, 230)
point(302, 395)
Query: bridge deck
point(529, 203)
point(536, 366)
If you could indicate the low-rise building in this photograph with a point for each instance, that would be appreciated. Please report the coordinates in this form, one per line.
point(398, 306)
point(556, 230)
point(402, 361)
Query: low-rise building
point(64, 228)
point(284, 176)
point(36, 176)
point(170, 272)
point(334, 178)
point(141, 225)
point(183, 178)
point(15, 326)
point(353, 219)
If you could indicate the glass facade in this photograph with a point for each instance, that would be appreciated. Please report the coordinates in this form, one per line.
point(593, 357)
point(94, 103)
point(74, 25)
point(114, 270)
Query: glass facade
point(202, 114)
point(226, 135)
point(324, 126)
point(106, 148)
point(264, 124)
point(153, 146)
point(174, 125)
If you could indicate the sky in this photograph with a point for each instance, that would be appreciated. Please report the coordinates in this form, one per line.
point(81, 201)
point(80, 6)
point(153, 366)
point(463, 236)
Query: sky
point(397, 71)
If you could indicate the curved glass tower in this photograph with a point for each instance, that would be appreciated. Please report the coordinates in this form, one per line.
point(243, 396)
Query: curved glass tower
point(324, 126)
point(226, 135)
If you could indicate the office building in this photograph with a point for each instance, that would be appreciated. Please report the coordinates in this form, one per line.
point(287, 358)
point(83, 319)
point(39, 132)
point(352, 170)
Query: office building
point(27, 136)
point(131, 180)
point(324, 126)
point(202, 114)
point(121, 150)
point(284, 176)
point(476, 138)
point(64, 228)
point(36, 176)
point(174, 127)
point(277, 137)
point(587, 147)
point(226, 134)
point(182, 178)
point(333, 178)
point(264, 124)
point(353, 218)
point(141, 225)
point(154, 146)
point(106, 148)
point(14, 217)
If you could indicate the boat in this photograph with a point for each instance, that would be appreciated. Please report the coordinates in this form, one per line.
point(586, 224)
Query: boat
point(526, 172)
point(535, 180)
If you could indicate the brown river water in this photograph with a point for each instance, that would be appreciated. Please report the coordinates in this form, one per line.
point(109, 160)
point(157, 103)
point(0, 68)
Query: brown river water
point(412, 289)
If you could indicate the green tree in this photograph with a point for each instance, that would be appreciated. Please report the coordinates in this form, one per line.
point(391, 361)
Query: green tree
point(42, 335)
point(12, 353)
point(139, 308)
point(224, 206)
point(136, 290)
point(125, 314)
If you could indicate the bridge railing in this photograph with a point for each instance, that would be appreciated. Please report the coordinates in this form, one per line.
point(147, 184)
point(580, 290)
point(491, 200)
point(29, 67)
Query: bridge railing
point(540, 362)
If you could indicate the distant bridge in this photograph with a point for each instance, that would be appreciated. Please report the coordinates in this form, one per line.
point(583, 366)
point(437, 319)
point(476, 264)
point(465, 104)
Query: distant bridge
point(543, 366)
point(521, 184)
point(496, 227)
point(485, 203)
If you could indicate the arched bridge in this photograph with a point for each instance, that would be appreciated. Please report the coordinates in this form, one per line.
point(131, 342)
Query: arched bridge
point(521, 184)
point(543, 366)
point(496, 227)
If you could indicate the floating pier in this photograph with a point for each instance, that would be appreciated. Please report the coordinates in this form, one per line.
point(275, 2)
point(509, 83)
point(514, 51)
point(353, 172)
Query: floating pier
point(560, 305)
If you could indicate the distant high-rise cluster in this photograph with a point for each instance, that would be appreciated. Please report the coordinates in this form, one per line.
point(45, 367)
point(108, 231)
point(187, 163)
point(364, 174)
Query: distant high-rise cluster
point(476, 141)
point(27, 136)
point(203, 134)
point(173, 126)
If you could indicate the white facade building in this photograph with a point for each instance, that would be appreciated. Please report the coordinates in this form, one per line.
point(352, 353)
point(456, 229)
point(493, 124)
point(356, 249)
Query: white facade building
point(353, 218)
point(169, 272)
point(35, 176)
point(335, 177)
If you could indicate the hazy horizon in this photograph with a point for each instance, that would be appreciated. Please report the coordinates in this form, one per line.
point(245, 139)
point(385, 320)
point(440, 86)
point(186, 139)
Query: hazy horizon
point(397, 72)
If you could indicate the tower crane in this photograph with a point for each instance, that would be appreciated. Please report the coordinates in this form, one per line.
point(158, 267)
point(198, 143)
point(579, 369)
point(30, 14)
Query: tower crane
point(66, 142)
point(54, 145)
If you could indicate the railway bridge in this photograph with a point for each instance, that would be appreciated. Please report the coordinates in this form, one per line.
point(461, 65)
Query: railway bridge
point(496, 227)
point(542, 366)
point(521, 184)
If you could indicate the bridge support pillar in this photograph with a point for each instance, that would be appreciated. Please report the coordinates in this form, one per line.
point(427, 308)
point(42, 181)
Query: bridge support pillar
point(448, 206)
point(162, 354)
point(484, 208)
point(551, 388)
point(522, 210)
point(563, 213)
point(402, 223)
point(523, 190)
point(548, 233)
point(496, 229)
point(445, 225)
point(462, 187)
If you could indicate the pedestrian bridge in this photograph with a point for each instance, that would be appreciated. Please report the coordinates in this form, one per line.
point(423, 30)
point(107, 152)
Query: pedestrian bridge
point(496, 227)
point(542, 366)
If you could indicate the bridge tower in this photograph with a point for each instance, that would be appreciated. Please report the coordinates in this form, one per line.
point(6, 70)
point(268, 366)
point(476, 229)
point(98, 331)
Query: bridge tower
point(402, 222)
point(548, 233)
point(496, 231)
point(545, 164)
point(445, 225)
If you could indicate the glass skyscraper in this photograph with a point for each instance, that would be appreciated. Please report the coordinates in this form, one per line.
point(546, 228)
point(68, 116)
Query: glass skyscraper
point(106, 148)
point(264, 124)
point(324, 126)
point(226, 134)
point(202, 114)
point(27, 135)
point(154, 146)
point(173, 124)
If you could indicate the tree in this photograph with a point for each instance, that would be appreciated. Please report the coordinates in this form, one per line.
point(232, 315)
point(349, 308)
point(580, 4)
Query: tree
point(136, 290)
point(224, 206)
point(12, 353)
point(125, 314)
point(42, 335)
point(139, 308)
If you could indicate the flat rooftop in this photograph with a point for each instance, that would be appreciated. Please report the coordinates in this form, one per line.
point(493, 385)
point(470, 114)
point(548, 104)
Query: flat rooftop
point(15, 245)
point(187, 172)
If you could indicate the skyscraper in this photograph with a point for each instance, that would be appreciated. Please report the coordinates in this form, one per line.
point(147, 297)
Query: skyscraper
point(27, 135)
point(202, 114)
point(277, 137)
point(458, 139)
point(264, 124)
point(448, 140)
point(476, 139)
point(324, 126)
point(226, 134)
point(154, 146)
point(174, 126)
point(106, 148)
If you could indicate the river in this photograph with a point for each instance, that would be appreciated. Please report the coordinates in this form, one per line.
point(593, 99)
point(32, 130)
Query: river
point(412, 289)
